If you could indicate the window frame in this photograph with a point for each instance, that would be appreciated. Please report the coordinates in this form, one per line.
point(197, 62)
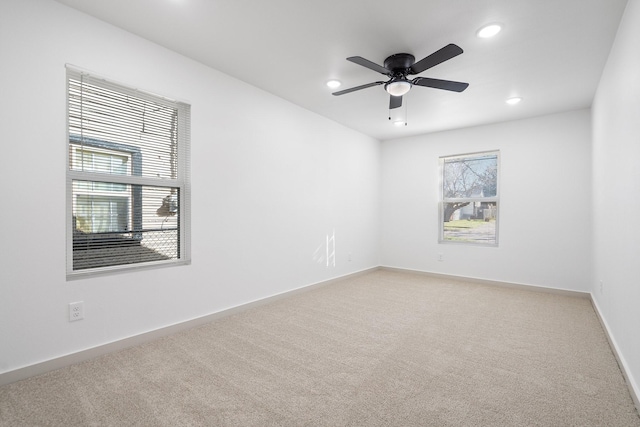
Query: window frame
point(490, 199)
point(134, 178)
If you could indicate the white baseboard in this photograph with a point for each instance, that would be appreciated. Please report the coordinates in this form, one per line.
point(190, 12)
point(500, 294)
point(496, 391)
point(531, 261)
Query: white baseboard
point(101, 350)
point(634, 390)
point(522, 286)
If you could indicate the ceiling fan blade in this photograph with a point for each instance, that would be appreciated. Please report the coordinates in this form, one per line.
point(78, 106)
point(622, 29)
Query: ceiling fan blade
point(395, 102)
point(437, 57)
point(440, 84)
point(370, 65)
point(353, 89)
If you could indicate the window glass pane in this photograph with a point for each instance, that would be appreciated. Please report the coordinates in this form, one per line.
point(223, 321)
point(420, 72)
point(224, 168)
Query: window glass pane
point(102, 114)
point(140, 225)
point(470, 177)
point(473, 222)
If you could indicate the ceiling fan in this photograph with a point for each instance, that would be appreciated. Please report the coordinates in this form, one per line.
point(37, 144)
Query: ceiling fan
point(397, 67)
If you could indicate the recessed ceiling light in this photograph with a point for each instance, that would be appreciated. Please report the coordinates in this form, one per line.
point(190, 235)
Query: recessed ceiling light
point(489, 31)
point(513, 101)
point(334, 84)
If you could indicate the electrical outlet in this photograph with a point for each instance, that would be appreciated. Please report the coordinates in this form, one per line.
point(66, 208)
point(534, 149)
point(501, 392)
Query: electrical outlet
point(601, 287)
point(76, 311)
point(349, 257)
point(440, 257)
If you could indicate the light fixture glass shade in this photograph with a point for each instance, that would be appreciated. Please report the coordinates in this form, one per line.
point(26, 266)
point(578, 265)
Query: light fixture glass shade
point(398, 88)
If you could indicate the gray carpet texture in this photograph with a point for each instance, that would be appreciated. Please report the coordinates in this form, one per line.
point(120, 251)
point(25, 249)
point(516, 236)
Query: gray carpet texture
point(385, 348)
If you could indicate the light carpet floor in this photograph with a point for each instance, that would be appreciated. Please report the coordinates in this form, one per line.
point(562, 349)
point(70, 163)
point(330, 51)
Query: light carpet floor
point(382, 349)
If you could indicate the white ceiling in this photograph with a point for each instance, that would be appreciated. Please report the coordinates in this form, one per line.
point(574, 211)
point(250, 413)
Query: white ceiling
point(550, 52)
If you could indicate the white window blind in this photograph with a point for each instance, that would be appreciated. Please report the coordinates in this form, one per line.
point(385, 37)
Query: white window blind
point(128, 191)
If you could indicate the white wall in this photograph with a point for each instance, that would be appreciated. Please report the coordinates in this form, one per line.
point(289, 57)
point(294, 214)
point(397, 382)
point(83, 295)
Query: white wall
point(545, 219)
point(616, 192)
point(270, 181)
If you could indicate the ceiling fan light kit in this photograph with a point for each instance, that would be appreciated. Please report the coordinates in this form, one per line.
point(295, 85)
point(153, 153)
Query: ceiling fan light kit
point(398, 87)
point(398, 66)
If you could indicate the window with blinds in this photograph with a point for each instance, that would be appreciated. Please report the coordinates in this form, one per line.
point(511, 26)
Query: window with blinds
point(128, 192)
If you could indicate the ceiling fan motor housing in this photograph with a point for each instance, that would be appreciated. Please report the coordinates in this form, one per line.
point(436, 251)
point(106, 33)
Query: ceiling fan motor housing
point(399, 63)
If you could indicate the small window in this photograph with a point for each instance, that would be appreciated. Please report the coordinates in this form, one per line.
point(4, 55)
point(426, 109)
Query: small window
point(469, 198)
point(127, 178)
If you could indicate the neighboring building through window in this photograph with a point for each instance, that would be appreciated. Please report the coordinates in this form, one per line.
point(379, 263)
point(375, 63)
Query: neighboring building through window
point(469, 198)
point(127, 179)
point(99, 206)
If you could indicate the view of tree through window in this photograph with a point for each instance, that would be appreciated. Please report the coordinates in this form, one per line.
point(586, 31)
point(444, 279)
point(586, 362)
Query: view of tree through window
point(469, 205)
